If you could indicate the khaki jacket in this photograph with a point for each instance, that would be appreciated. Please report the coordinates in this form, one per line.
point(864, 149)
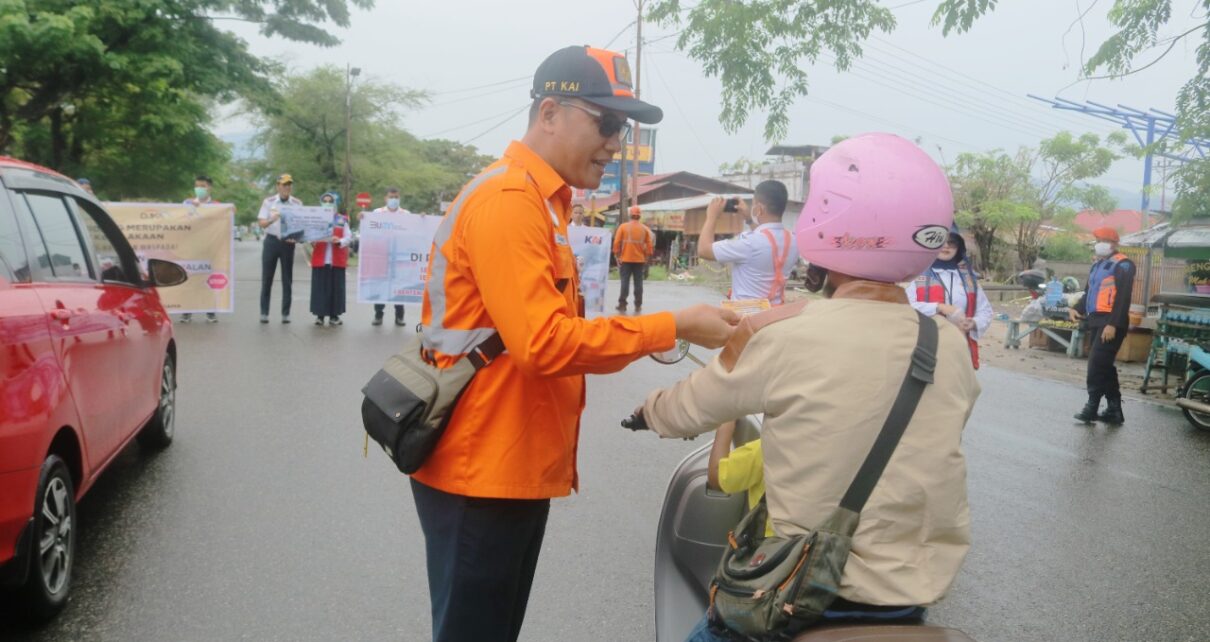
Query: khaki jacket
point(825, 379)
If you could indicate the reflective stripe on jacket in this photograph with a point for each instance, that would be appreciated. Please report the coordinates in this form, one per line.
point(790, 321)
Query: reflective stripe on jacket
point(633, 242)
point(501, 262)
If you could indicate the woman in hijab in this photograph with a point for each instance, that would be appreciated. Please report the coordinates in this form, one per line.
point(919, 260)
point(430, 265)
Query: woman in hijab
point(329, 258)
point(950, 289)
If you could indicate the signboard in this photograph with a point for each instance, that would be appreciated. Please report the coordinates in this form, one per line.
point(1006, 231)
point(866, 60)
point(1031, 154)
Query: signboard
point(644, 151)
point(199, 239)
point(394, 256)
point(592, 247)
point(306, 223)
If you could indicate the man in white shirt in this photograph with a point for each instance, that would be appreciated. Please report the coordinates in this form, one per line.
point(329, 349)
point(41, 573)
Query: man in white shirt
point(275, 249)
point(201, 196)
point(761, 258)
point(392, 205)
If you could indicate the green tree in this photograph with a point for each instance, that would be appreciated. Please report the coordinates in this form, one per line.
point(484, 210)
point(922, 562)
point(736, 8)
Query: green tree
point(120, 90)
point(303, 133)
point(989, 194)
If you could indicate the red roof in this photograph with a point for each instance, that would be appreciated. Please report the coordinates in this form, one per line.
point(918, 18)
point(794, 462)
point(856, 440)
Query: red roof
point(1124, 221)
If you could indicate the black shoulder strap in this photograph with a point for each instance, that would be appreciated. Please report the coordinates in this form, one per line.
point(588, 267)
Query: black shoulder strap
point(487, 351)
point(920, 374)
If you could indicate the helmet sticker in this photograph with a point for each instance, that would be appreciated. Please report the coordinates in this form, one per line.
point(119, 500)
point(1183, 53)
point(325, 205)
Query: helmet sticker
point(931, 237)
point(848, 242)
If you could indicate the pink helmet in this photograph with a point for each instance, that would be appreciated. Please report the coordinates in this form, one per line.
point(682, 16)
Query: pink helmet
point(879, 208)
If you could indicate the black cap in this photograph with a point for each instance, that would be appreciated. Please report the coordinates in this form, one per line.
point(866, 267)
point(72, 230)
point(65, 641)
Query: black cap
point(597, 76)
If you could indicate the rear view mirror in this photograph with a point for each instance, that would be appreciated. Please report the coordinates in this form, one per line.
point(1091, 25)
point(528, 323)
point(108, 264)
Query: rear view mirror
point(675, 355)
point(166, 274)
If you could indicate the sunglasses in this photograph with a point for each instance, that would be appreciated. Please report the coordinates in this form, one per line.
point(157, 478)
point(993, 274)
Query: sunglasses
point(608, 125)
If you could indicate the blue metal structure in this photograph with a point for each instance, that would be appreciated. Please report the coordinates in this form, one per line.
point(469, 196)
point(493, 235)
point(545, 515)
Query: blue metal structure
point(1148, 127)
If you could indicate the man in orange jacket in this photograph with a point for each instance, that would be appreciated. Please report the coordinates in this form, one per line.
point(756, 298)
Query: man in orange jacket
point(502, 282)
point(633, 246)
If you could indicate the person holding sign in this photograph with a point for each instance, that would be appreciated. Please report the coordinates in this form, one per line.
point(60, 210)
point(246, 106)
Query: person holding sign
point(201, 196)
point(275, 249)
point(761, 259)
point(329, 258)
point(392, 200)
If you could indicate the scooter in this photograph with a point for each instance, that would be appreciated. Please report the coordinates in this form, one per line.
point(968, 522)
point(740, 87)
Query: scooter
point(692, 535)
point(1194, 397)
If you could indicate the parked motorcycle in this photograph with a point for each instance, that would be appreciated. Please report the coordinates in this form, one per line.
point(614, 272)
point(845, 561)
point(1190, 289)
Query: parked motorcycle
point(1194, 397)
point(692, 535)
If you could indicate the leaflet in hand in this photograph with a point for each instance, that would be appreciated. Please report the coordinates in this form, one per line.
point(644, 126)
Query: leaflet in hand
point(744, 307)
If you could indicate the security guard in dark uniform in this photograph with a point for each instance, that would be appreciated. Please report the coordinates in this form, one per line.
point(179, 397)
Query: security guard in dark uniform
point(1105, 306)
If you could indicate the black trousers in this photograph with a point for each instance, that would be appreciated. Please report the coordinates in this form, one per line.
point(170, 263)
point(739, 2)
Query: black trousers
point(481, 556)
point(379, 308)
point(1102, 373)
point(273, 250)
point(628, 271)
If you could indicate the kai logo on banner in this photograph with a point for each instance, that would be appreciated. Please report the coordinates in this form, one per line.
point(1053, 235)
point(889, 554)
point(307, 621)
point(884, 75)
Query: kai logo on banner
point(394, 256)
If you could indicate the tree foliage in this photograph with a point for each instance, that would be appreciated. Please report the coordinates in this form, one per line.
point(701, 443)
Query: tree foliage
point(997, 195)
point(121, 90)
point(304, 134)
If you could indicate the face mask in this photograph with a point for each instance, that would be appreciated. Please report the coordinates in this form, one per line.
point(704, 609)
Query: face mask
point(201, 192)
point(392, 203)
point(1102, 249)
point(329, 206)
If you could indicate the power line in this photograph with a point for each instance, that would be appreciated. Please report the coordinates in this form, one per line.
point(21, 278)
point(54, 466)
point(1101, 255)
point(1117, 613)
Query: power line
point(494, 127)
point(476, 88)
point(474, 122)
point(688, 123)
point(911, 128)
point(513, 87)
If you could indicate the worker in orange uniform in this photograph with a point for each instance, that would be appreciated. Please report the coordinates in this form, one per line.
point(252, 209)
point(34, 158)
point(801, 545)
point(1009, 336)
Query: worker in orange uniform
point(1106, 306)
point(503, 289)
point(632, 246)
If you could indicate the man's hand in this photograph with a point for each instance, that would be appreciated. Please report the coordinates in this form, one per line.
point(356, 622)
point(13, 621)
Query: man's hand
point(967, 325)
point(705, 325)
point(361, 215)
point(1108, 334)
point(743, 209)
point(1074, 315)
point(715, 208)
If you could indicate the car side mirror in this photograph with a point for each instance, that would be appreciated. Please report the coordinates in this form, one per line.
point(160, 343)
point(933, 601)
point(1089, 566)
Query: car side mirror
point(166, 274)
point(675, 355)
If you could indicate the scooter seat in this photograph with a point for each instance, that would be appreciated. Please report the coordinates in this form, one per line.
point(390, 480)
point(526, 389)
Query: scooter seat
point(877, 633)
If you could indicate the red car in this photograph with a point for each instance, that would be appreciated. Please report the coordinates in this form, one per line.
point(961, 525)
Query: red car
point(87, 363)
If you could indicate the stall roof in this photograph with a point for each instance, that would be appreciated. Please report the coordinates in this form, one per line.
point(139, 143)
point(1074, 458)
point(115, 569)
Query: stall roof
point(686, 203)
point(1192, 242)
point(1153, 237)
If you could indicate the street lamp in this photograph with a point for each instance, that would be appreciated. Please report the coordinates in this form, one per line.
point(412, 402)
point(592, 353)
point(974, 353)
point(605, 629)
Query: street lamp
point(350, 74)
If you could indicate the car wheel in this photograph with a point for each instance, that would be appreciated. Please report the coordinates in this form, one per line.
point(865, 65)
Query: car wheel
point(54, 542)
point(158, 433)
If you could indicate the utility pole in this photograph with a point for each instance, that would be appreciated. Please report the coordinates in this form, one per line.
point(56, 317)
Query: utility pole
point(350, 73)
point(638, 76)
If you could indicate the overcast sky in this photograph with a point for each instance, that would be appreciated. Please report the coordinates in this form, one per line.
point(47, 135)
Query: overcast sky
point(959, 93)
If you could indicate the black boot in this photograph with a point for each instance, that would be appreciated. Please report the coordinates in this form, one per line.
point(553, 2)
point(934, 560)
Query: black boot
point(1113, 413)
point(1089, 413)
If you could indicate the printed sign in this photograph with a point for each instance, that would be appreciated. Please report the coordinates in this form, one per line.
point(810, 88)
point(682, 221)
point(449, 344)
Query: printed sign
point(393, 256)
point(199, 239)
point(592, 246)
point(306, 223)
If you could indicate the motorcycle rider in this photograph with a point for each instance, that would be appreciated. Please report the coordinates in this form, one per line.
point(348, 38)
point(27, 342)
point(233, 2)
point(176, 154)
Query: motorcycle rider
point(877, 214)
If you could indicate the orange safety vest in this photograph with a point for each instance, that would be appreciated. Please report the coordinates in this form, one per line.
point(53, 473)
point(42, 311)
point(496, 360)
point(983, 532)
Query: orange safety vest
point(633, 242)
point(777, 292)
point(930, 289)
point(340, 255)
point(501, 262)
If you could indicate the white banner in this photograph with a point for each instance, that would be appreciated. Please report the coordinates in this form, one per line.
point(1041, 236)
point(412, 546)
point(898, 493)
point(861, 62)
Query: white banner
point(592, 246)
point(393, 256)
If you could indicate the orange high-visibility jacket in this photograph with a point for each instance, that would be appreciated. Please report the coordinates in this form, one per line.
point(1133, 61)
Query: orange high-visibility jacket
point(633, 243)
point(501, 262)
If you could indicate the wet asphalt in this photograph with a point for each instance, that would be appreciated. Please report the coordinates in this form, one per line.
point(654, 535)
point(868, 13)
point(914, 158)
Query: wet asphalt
point(264, 521)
